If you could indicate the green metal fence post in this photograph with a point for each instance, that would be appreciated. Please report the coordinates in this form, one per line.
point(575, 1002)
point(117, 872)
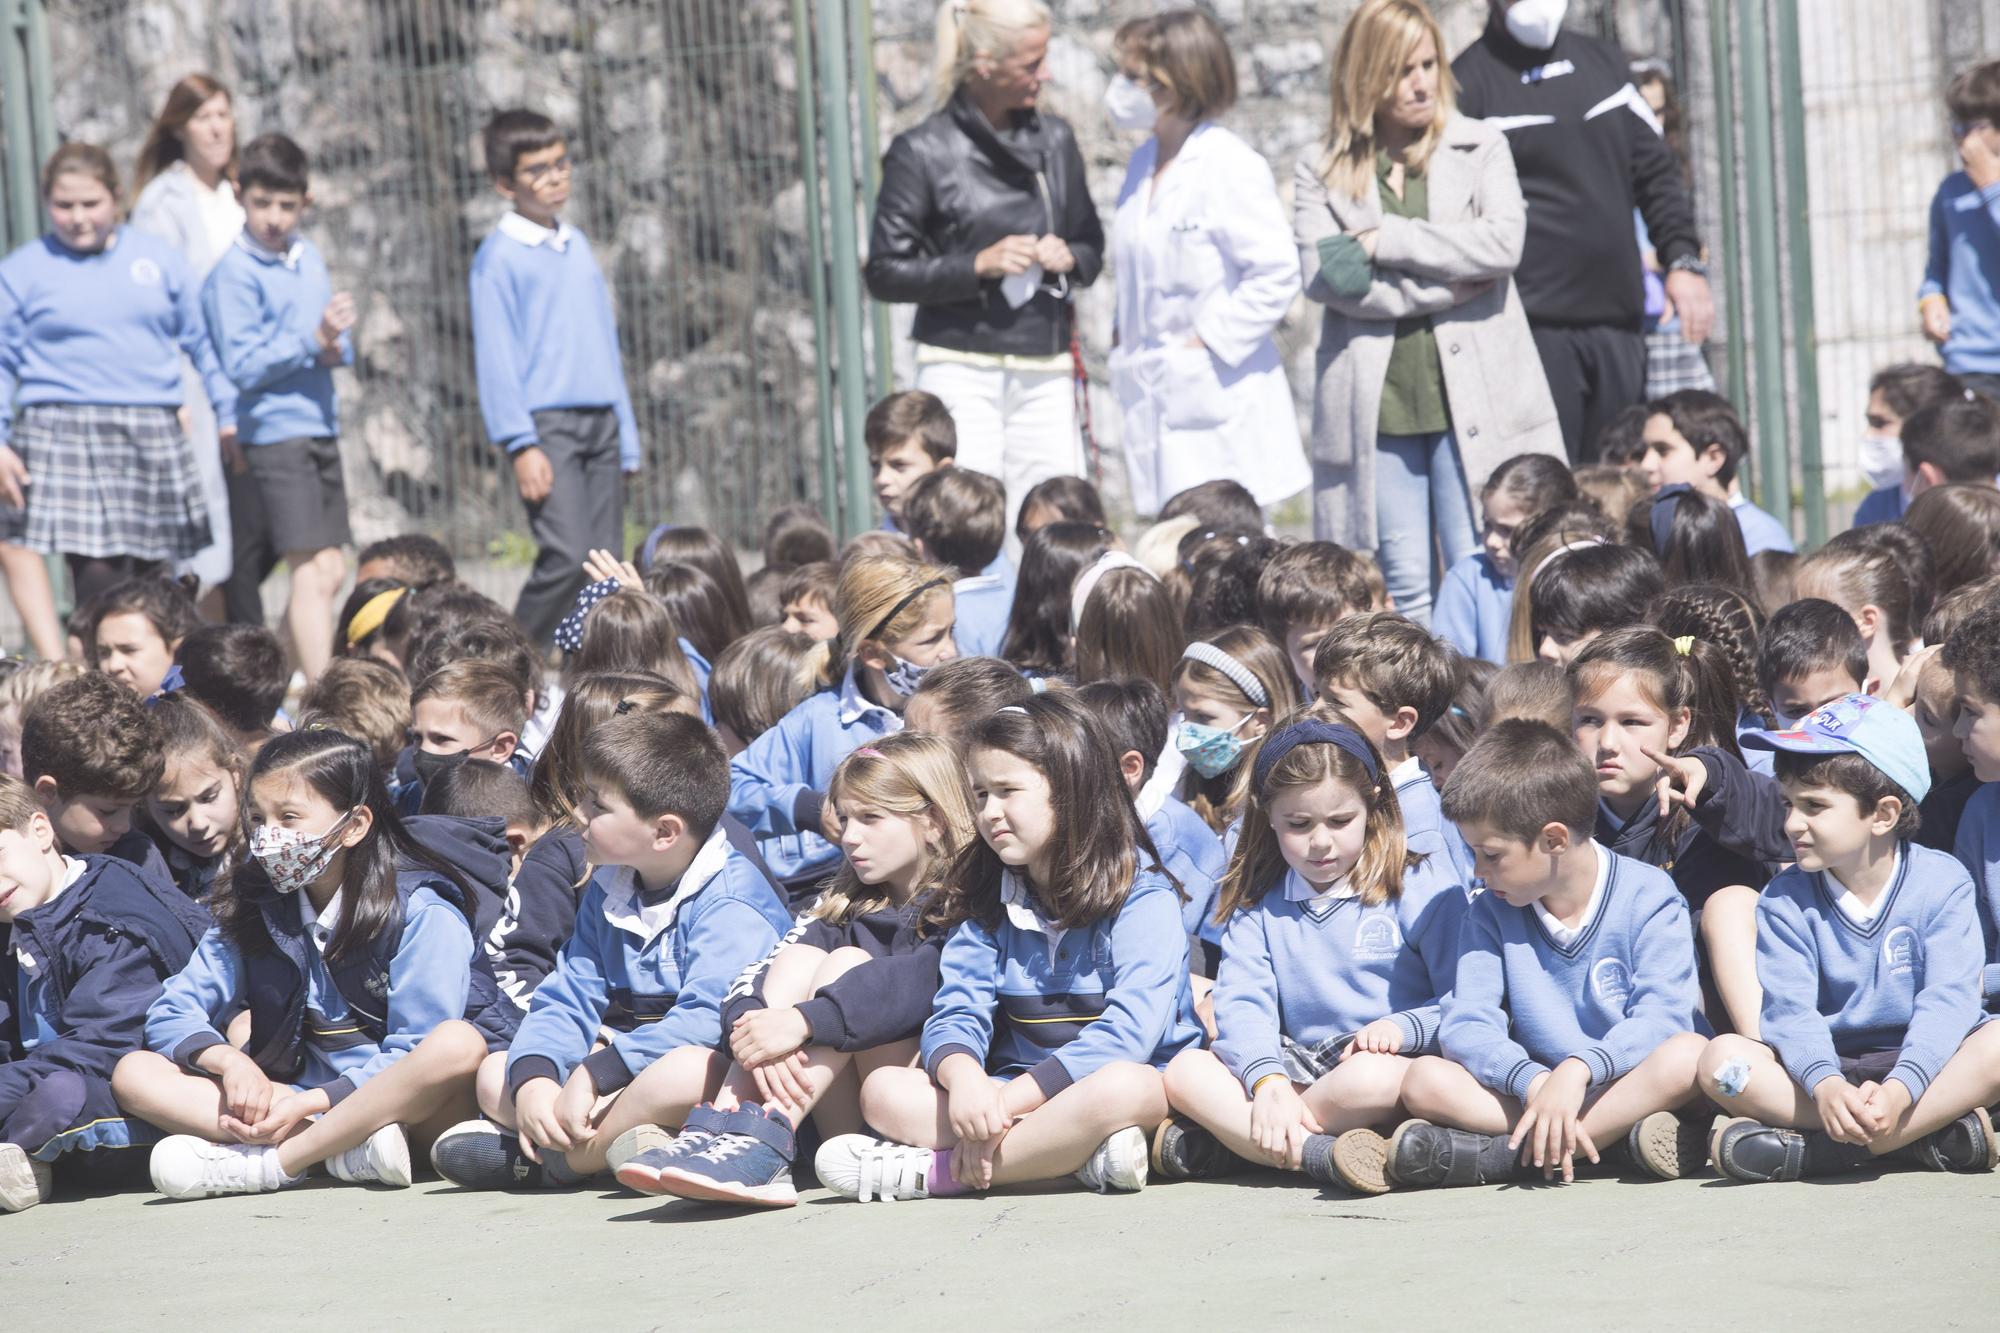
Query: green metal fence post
point(1767, 349)
point(1727, 250)
point(829, 461)
point(41, 79)
point(871, 176)
point(1799, 268)
point(852, 376)
point(17, 120)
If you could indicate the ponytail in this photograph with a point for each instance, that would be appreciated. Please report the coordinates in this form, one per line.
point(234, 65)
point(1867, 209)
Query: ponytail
point(969, 29)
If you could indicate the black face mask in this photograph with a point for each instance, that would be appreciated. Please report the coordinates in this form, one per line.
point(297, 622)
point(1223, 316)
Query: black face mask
point(430, 767)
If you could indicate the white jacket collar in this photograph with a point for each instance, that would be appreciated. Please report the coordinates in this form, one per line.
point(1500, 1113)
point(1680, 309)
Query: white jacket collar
point(624, 908)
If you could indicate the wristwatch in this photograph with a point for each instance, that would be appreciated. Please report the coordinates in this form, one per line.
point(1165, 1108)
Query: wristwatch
point(1689, 264)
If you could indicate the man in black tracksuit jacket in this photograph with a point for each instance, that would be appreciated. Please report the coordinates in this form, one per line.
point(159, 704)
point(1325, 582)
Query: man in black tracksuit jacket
point(1586, 158)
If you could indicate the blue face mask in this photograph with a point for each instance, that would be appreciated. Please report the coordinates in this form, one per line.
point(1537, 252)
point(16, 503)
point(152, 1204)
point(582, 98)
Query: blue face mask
point(1210, 751)
point(904, 677)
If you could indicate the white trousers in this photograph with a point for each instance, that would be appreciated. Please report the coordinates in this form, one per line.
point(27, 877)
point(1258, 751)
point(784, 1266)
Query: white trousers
point(1018, 426)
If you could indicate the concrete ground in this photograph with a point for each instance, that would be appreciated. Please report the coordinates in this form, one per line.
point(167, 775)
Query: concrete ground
point(1907, 1249)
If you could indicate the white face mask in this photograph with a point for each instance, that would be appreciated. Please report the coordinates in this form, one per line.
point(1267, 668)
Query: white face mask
point(1882, 460)
point(1535, 24)
point(1129, 105)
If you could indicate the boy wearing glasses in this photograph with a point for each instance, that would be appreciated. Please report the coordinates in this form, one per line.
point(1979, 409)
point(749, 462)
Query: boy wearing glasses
point(551, 385)
point(1960, 309)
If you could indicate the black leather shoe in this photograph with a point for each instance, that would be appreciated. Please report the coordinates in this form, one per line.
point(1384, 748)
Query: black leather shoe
point(1754, 1152)
point(1422, 1154)
point(1183, 1150)
point(1966, 1144)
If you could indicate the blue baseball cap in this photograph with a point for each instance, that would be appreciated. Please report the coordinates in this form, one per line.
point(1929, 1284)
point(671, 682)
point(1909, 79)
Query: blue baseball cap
point(1881, 733)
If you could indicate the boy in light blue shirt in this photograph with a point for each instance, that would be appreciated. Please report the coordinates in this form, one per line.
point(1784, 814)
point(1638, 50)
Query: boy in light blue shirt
point(1571, 1020)
point(1957, 301)
point(279, 329)
point(958, 518)
point(1694, 438)
point(1868, 952)
point(551, 384)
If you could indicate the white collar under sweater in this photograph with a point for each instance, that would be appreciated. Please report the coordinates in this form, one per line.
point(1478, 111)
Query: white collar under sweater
point(1860, 913)
point(625, 907)
point(1563, 935)
point(531, 233)
point(1299, 889)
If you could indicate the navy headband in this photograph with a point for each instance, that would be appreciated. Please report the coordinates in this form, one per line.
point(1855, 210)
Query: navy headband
point(1312, 731)
point(903, 606)
point(1666, 503)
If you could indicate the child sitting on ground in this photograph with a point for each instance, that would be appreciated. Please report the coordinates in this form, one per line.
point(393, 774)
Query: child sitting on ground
point(1868, 951)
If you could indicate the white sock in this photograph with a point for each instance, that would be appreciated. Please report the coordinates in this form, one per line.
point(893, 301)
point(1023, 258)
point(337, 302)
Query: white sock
point(274, 1171)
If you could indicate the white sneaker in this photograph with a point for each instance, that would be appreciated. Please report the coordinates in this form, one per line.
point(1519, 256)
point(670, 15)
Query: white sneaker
point(383, 1159)
point(636, 1142)
point(24, 1182)
point(861, 1168)
point(1118, 1164)
point(185, 1167)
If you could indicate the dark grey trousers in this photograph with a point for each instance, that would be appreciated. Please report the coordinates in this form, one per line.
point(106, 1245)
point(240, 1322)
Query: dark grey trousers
point(585, 508)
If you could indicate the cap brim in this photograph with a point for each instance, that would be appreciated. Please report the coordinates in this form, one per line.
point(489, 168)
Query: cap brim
point(1798, 742)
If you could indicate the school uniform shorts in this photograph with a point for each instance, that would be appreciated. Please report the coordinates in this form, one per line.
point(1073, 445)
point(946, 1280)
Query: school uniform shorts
point(291, 497)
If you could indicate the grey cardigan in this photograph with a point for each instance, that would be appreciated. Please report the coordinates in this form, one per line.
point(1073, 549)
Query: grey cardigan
point(1499, 398)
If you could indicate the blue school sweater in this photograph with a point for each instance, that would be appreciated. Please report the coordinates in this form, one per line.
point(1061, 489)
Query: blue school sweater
point(1425, 828)
point(104, 329)
point(1978, 849)
point(1058, 1006)
point(1190, 849)
point(1313, 970)
point(430, 980)
point(984, 601)
point(544, 335)
point(1907, 981)
point(1761, 530)
point(653, 968)
point(777, 785)
point(1521, 1004)
point(1885, 504)
point(1474, 606)
point(1963, 259)
point(263, 312)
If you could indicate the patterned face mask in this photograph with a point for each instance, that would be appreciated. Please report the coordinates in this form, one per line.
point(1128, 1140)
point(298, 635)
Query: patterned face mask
point(1211, 751)
point(905, 676)
point(292, 857)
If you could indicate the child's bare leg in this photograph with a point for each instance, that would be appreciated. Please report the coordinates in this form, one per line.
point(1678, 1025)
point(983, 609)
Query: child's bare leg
point(1729, 930)
point(1663, 1081)
point(491, 1088)
point(432, 1078)
point(663, 1093)
point(1970, 1078)
point(316, 579)
point(805, 970)
point(1445, 1093)
point(838, 1110)
point(789, 978)
point(1201, 1087)
point(167, 1097)
point(904, 1106)
point(1360, 1091)
point(1768, 1094)
point(1059, 1136)
point(27, 576)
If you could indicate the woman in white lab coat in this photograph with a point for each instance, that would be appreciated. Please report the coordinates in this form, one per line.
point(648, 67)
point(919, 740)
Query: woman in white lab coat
point(1206, 268)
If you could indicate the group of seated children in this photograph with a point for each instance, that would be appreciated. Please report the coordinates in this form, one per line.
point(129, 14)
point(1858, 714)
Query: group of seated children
point(1205, 859)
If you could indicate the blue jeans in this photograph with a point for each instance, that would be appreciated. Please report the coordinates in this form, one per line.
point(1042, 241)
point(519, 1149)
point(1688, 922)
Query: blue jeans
point(1421, 504)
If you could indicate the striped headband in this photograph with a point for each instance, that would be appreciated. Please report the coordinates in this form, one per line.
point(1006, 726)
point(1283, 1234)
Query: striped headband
point(1312, 731)
point(1086, 582)
point(1580, 544)
point(1239, 675)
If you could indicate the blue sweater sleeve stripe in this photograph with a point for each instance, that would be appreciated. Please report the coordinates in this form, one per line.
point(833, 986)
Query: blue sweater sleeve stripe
point(567, 1008)
point(717, 938)
point(1664, 994)
point(1475, 1030)
point(183, 1021)
point(1248, 1039)
point(1149, 951)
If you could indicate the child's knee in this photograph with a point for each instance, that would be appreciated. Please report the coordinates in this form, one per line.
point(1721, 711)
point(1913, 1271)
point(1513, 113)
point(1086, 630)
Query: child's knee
point(1123, 1089)
point(133, 1071)
point(1424, 1082)
point(1681, 1055)
point(1374, 1079)
point(490, 1084)
point(1730, 914)
point(457, 1044)
point(837, 964)
point(887, 1089)
point(1190, 1070)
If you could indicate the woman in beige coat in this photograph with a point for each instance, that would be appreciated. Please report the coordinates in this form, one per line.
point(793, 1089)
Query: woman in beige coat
point(1409, 225)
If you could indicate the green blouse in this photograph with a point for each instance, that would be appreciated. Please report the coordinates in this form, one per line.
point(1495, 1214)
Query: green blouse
point(1413, 401)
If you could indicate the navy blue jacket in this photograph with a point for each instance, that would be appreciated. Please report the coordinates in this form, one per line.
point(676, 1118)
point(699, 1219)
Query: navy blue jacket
point(477, 848)
point(1737, 834)
point(103, 948)
point(539, 913)
point(885, 999)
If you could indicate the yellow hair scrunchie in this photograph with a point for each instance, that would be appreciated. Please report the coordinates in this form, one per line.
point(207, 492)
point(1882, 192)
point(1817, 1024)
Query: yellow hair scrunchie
point(1684, 644)
point(371, 615)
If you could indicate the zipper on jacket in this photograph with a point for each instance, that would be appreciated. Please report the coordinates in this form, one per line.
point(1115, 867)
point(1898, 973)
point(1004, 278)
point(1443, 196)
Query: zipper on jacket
point(1049, 212)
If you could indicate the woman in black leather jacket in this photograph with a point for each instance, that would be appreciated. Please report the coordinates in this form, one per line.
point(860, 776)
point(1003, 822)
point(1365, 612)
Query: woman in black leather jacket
point(984, 222)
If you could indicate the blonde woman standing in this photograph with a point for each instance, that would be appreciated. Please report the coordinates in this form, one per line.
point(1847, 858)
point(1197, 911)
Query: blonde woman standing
point(1410, 224)
point(984, 222)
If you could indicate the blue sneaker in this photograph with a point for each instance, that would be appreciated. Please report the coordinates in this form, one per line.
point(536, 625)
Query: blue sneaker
point(642, 1173)
point(749, 1162)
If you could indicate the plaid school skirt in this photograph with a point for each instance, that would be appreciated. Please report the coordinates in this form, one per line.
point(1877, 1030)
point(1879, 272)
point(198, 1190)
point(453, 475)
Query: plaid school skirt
point(107, 481)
